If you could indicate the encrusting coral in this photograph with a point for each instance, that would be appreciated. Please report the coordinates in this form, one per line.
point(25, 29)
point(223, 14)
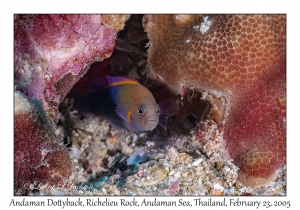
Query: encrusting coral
point(51, 53)
point(39, 155)
point(238, 61)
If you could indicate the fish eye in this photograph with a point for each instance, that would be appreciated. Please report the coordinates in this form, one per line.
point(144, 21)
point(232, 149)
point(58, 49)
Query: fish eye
point(141, 111)
point(158, 111)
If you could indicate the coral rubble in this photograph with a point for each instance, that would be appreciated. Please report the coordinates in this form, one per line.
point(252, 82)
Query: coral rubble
point(186, 164)
point(239, 60)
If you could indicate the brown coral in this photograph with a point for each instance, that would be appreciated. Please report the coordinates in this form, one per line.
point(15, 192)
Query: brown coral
point(241, 58)
point(39, 155)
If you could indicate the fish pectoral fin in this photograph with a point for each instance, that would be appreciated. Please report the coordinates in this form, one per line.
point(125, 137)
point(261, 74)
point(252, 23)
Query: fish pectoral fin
point(130, 129)
point(115, 126)
point(129, 119)
point(121, 113)
point(126, 116)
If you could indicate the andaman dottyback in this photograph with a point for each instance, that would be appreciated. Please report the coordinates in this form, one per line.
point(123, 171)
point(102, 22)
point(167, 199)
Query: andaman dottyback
point(128, 104)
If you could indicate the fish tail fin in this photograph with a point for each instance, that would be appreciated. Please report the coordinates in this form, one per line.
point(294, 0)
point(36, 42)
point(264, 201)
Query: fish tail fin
point(167, 109)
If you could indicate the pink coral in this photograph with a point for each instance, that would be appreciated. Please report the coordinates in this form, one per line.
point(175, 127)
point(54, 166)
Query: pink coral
point(239, 58)
point(52, 52)
point(39, 155)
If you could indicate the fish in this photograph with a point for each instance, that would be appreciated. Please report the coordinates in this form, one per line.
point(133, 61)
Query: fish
point(128, 104)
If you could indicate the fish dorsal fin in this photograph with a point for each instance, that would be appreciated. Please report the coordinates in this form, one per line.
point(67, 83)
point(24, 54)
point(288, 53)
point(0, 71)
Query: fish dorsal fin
point(110, 81)
point(114, 81)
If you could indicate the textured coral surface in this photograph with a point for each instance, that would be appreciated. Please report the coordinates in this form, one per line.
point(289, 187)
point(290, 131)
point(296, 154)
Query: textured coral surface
point(39, 155)
point(241, 58)
point(53, 51)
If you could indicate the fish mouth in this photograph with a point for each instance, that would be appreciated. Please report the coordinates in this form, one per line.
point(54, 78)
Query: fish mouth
point(151, 124)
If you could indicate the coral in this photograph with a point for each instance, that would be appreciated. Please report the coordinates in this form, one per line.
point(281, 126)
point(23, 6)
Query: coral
point(39, 155)
point(52, 52)
point(189, 159)
point(239, 60)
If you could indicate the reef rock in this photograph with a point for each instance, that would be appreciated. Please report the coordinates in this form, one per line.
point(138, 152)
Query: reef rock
point(39, 155)
point(52, 52)
point(238, 61)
